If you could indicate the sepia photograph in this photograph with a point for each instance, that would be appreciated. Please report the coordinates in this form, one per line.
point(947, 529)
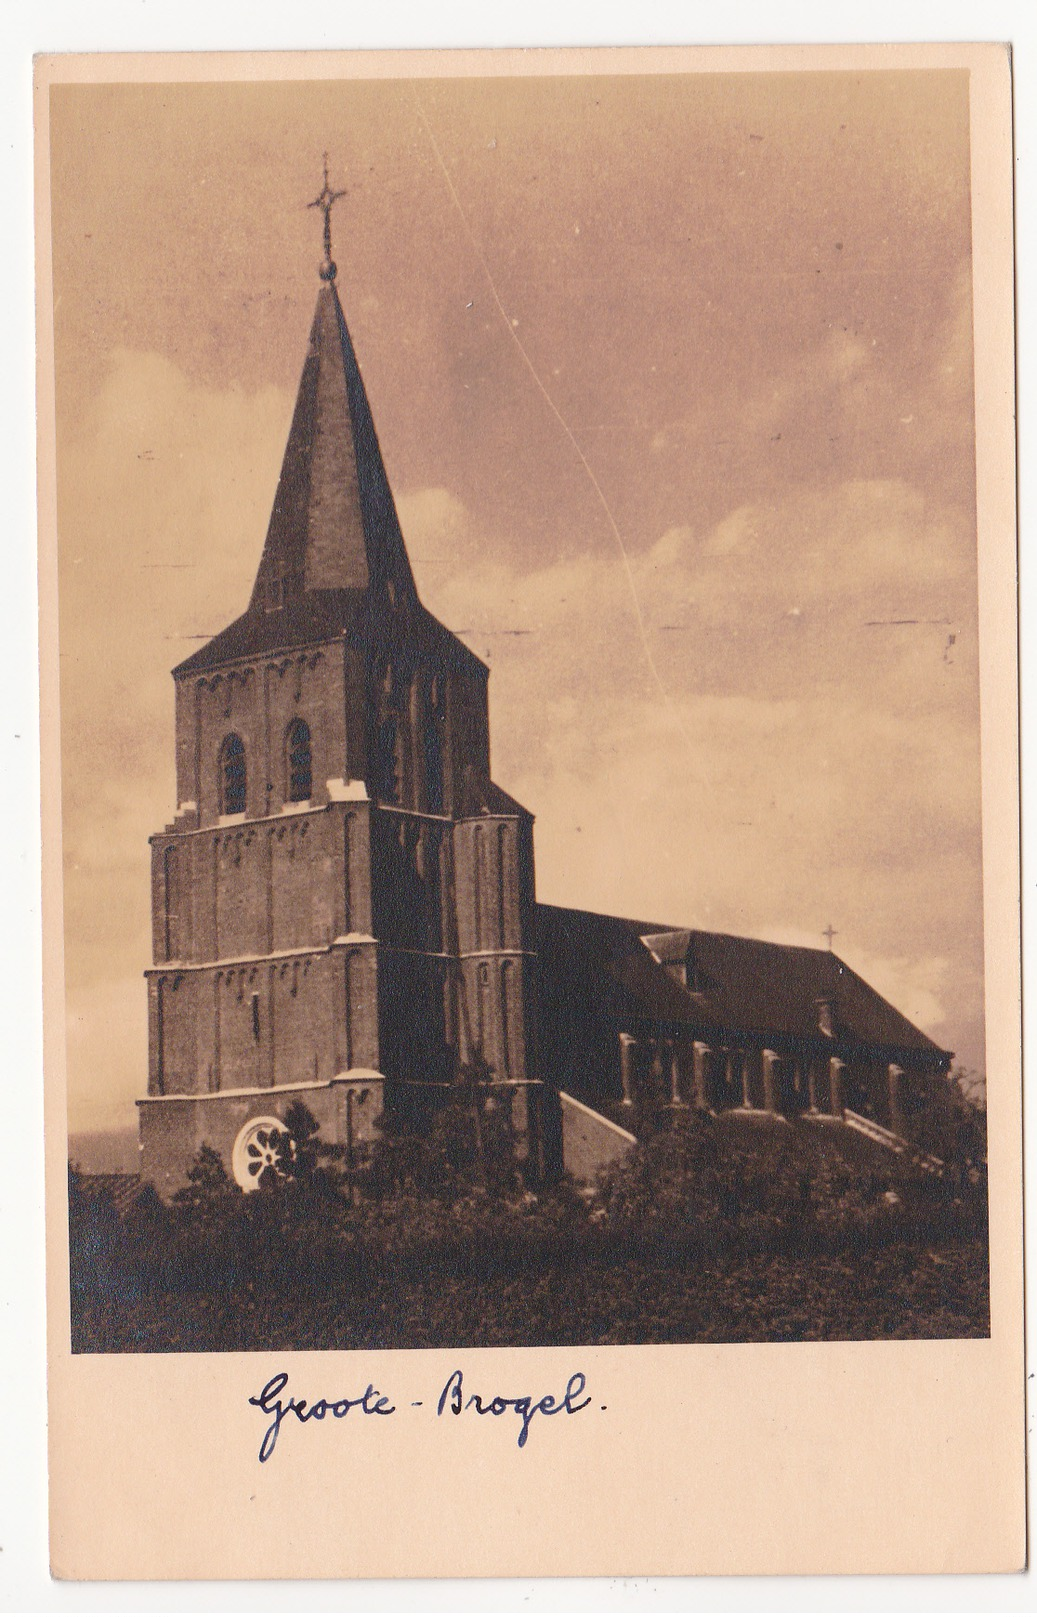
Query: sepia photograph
point(519, 703)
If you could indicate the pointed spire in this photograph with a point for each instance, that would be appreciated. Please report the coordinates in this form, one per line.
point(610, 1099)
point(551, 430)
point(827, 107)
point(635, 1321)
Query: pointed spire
point(334, 537)
point(334, 523)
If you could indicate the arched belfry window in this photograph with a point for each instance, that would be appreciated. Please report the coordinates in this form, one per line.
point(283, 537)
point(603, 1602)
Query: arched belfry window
point(299, 762)
point(232, 775)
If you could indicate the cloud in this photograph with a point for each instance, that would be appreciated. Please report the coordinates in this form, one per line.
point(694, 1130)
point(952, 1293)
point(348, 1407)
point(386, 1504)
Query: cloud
point(756, 728)
point(870, 393)
point(735, 728)
point(164, 493)
point(864, 583)
point(765, 355)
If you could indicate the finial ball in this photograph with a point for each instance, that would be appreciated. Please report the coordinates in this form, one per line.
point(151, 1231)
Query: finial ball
point(328, 270)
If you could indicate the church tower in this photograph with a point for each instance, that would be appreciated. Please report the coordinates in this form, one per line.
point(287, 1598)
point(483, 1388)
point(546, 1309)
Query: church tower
point(343, 905)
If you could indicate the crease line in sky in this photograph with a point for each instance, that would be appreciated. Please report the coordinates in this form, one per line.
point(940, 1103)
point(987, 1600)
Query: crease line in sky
point(585, 463)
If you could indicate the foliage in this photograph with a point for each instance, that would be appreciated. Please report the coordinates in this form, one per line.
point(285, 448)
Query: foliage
point(758, 1180)
point(95, 1235)
point(710, 1231)
point(946, 1117)
point(468, 1150)
point(959, 1127)
point(208, 1181)
point(309, 1165)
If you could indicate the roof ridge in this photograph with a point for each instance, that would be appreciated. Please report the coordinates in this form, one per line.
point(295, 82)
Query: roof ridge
point(756, 986)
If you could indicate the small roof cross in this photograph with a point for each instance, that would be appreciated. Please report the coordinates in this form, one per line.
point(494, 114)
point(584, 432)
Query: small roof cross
point(326, 201)
point(829, 933)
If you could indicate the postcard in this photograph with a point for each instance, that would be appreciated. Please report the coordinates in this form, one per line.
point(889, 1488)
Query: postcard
point(528, 603)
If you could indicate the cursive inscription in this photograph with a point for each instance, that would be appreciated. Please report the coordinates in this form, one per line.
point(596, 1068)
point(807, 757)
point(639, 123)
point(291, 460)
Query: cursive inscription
point(452, 1398)
point(269, 1401)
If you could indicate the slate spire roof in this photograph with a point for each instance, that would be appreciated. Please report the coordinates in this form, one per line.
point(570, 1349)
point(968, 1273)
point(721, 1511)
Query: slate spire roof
point(334, 549)
point(334, 523)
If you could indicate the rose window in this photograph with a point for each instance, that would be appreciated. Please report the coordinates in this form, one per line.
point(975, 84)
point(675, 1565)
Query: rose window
point(260, 1153)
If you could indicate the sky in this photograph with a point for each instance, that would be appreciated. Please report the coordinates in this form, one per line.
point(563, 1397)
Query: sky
point(673, 381)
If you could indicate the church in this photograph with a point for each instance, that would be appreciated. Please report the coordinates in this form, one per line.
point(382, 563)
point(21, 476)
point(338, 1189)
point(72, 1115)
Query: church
point(344, 905)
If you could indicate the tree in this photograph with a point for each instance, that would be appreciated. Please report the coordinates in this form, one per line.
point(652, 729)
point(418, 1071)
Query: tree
point(469, 1144)
point(491, 1155)
point(305, 1161)
point(966, 1131)
point(208, 1181)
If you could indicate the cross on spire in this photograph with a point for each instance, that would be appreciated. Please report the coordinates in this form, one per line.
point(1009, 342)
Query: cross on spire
point(829, 933)
point(326, 201)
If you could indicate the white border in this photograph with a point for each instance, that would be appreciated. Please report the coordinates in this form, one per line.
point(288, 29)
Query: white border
point(51, 25)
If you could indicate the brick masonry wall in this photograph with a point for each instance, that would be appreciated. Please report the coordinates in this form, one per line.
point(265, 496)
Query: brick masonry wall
point(258, 701)
point(304, 1018)
point(297, 880)
point(173, 1131)
point(267, 975)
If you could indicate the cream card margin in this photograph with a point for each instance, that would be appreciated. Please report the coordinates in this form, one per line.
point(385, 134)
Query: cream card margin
point(799, 1458)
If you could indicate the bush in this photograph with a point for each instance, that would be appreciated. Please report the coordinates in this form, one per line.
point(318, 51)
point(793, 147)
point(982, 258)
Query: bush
point(468, 1150)
point(710, 1230)
point(957, 1126)
point(208, 1181)
point(727, 1181)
